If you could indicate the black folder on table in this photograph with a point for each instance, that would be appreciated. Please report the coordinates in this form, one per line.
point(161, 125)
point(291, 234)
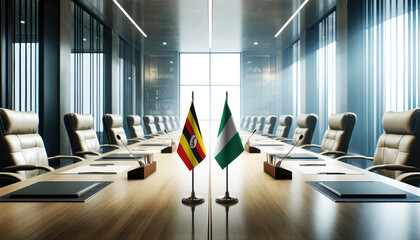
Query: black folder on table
point(50, 191)
point(297, 156)
point(367, 189)
point(124, 156)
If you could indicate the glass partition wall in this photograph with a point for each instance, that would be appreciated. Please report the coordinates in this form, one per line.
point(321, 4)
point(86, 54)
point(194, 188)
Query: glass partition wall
point(210, 76)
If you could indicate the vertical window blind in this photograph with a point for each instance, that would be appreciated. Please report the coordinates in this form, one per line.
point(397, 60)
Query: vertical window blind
point(23, 55)
point(325, 70)
point(87, 66)
point(129, 69)
point(392, 60)
point(291, 83)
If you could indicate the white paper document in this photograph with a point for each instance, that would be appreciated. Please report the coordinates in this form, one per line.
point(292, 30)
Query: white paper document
point(326, 170)
point(105, 169)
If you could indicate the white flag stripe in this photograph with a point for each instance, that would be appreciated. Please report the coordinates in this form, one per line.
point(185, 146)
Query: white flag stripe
point(229, 130)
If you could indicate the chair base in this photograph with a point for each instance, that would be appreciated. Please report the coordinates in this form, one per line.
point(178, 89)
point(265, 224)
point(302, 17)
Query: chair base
point(277, 172)
point(142, 172)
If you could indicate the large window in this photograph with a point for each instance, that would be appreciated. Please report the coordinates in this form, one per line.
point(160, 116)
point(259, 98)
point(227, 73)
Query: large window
point(87, 66)
point(291, 82)
point(325, 70)
point(23, 55)
point(129, 71)
point(392, 60)
point(210, 76)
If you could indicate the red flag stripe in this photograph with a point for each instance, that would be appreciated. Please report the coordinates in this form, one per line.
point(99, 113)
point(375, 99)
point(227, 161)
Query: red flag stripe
point(191, 131)
point(200, 151)
point(189, 128)
point(184, 157)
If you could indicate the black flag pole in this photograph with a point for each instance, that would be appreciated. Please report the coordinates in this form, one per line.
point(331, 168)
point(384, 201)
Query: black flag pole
point(227, 199)
point(193, 199)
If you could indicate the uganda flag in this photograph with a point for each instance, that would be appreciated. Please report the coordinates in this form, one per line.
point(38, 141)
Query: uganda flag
point(191, 147)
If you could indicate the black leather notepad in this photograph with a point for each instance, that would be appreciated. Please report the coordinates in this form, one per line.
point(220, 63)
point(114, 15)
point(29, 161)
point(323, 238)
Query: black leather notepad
point(54, 190)
point(357, 189)
point(297, 156)
point(73, 191)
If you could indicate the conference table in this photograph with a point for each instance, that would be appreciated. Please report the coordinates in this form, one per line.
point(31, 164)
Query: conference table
point(152, 209)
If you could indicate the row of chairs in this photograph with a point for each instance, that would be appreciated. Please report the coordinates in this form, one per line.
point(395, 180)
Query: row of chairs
point(22, 150)
point(397, 152)
point(156, 124)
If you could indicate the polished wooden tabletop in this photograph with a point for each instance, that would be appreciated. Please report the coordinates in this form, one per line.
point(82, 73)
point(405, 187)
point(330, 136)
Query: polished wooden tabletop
point(152, 208)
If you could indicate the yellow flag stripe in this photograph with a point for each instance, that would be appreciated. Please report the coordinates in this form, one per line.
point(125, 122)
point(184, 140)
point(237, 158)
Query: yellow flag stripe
point(186, 146)
point(197, 133)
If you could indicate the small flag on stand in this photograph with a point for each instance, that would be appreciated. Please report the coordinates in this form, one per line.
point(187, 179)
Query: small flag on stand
point(191, 147)
point(228, 145)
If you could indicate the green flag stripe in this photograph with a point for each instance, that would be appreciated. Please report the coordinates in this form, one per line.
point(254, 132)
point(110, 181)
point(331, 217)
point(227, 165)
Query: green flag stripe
point(225, 117)
point(231, 151)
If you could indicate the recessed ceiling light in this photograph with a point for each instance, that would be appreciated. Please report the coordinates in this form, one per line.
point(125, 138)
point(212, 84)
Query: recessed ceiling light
point(255, 43)
point(84, 39)
point(22, 22)
point(291, 18)
point(249, 62)
point(165, 43)
point(129, 18)
point(171, 62)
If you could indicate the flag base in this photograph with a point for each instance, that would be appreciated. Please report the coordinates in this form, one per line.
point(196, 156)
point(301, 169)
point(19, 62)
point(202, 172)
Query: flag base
point(193, 200)
point(227, 200)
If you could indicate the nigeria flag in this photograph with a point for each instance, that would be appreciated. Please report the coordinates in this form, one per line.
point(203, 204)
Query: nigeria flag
point(228, 145)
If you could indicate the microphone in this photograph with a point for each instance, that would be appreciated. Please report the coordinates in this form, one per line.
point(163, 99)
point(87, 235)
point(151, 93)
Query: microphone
point(285, 156)
point(166, 131)
point(251, 135)
point(134, 156)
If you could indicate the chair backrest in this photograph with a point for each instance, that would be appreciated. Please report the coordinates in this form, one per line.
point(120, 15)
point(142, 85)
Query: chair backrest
point(253, 123)
point(247, 122)
point(149, 124)
point(260, 123)
point(134, 126)
point(337, 137)
point(242, 122)
point(400, 143)
point(306, 124)
point(113, 126)
point(270, 123)
point(285, 123)
point(159, 123)
point(177, 123)
point(81, 134)
point(173, 122)
point(20, 142)
point(167, 123)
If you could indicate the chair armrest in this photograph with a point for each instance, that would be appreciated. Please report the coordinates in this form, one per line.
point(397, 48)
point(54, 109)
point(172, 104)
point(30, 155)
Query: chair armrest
point(134, 140)
point(310, 145)
point(138, 138)
point(10, 177)
point(110, 146)
point(83, 153)
point(394, 167)
point(17, 168)
point(336, 153)
point(407, 177)
point(59, 157)
point(343, 158)
point(284, 139)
